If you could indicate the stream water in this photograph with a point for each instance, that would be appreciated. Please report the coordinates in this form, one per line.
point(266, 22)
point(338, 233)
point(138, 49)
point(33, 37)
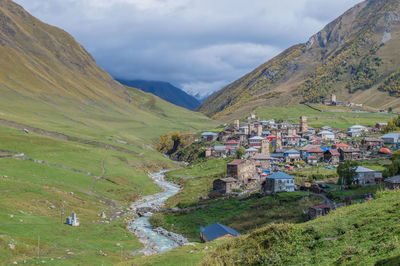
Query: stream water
point(153, 241)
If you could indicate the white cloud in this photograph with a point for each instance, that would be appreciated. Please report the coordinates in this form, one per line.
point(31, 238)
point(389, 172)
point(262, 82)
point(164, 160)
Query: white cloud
point(200, 45)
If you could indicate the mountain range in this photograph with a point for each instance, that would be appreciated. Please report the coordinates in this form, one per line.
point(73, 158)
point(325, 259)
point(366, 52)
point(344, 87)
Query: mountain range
point(356, 56)
point(165, 91)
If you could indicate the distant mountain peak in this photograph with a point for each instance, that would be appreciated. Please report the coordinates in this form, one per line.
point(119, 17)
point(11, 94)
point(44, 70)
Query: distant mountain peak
point(165, 91)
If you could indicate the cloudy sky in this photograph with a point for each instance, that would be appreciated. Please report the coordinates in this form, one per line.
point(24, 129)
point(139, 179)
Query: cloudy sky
point(197, 45)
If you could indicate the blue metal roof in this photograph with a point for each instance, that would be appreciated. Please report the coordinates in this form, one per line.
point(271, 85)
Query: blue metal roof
point(217, 230)
point(280, 175)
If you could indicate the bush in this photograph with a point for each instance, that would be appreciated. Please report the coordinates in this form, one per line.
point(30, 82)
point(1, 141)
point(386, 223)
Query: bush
point(157, 220)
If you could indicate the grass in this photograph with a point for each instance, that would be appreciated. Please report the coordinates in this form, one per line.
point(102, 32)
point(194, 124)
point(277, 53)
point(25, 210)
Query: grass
point(340, 120)
point(242, 215)
point(355, 193)
point(196, 181)
point(351, 235)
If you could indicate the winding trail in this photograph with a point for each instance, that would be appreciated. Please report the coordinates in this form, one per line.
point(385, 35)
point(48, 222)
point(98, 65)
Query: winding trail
point(153, 241)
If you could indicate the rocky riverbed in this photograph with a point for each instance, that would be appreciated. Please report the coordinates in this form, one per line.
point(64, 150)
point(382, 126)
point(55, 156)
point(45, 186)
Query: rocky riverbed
point(158, 240)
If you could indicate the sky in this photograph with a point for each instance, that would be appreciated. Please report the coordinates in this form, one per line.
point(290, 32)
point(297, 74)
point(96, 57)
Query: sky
point(197, 45)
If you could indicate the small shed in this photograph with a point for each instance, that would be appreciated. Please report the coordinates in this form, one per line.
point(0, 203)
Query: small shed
point(216, 231)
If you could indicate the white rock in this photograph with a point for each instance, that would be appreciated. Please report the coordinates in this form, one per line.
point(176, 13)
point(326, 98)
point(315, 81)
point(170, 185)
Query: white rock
point(12, 246)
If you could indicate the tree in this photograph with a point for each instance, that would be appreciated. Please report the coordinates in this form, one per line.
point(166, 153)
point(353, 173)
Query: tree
point(390, 109)
point(240, 152)
point(347, 172)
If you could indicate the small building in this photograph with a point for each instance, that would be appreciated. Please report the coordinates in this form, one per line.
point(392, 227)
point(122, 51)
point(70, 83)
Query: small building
point(367, 176)
point(233, 143)
point(318, 211)
point(356, 131)
point(209, 136)
point(242, 170)
point(220, 151)
point(312, 160)
point(255, 141)
point(327, 135)
point(380, 126)
point(225, 185)
point(278, 182)
point(216, 231)
point(391, 138)
point(73, 221)
point(372, 143)
point(349, 154)
point(317, 153)
point(292, 155)
point(332, 156)
point(392, 182)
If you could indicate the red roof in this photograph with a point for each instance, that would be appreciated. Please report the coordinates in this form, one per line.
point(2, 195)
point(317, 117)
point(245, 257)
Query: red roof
point(315, 150)
point(311, 157)
point(232, 141)
point(385, 151)
point(229, 147)
point(271, 136)
point(236, 162)
point(334, 152)
point(341, 145)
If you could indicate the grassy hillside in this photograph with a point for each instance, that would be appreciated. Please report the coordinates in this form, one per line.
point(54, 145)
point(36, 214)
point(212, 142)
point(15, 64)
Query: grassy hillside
point(361, 234)
point(354, 56)
point(89, 145)
point(336, 117)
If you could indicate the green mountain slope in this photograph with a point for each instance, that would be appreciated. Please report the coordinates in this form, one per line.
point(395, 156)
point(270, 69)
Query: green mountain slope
point(356, 56)
point(87, 142)
point(361, 234)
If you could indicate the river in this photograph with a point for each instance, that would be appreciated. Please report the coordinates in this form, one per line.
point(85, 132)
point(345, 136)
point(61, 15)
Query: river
point(153, 242)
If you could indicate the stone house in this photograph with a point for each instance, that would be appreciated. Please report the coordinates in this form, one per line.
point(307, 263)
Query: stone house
point(242, 170)
point(317, 211)
point(332, 156)
point(349, 154)
point(392, 182)
point(278, 182)
point(372, 143)
point(209, 136)
point(225, 185)
point(317, 152)
point(292, 155)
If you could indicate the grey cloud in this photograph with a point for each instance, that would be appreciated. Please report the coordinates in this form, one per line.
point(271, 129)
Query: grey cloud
point(199, 45)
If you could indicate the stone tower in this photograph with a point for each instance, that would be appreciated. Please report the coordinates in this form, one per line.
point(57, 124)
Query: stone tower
point(333, 98)
point(303, 124)
point(259, 130)
point(251, 128)
point(265, 147)
point(236, 124)
point(278, 145)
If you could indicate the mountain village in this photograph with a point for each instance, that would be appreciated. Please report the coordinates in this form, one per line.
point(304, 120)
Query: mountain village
point(274, 150)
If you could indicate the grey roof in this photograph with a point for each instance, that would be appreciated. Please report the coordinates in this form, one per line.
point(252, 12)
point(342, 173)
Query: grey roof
point(256, 138)
point(390, 135)
point(280, 175)
point(219, 148)
point(229, 179)
point(361, 169)
point(217, 230)
point(209, 134)
point(393, 179)
point(292, 151)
